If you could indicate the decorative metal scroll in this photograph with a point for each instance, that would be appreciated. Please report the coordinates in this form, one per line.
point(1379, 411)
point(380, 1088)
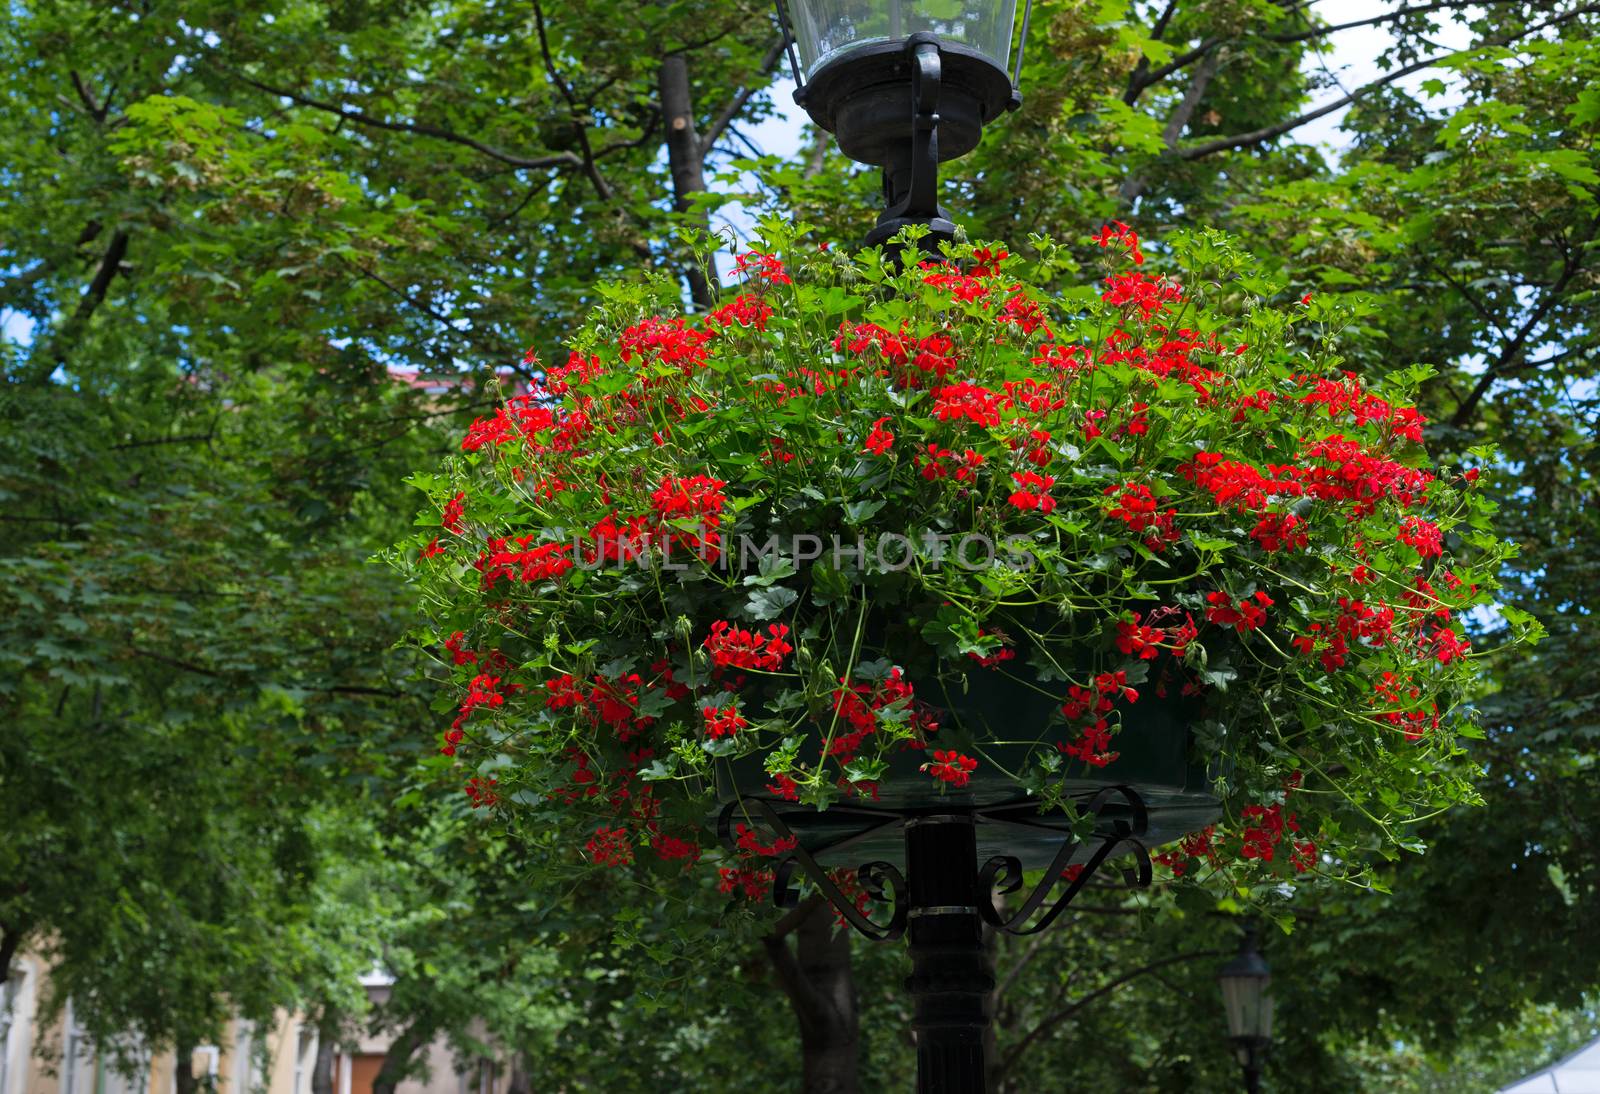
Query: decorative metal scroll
point(881, 881)
point(1003, 873)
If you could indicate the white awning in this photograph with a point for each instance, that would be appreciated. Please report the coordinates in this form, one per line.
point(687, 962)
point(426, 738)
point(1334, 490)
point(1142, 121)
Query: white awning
point(1577, 1074)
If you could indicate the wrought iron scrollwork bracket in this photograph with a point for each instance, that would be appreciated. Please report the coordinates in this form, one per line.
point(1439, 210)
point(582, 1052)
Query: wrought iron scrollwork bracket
point(884, 883)
point(1003, 873)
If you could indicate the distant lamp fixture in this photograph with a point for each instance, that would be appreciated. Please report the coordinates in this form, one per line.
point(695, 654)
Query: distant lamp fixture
point(1245, 981)
point(904, 85)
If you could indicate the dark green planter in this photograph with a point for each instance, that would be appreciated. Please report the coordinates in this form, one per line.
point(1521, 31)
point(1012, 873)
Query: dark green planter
point(1016, 721)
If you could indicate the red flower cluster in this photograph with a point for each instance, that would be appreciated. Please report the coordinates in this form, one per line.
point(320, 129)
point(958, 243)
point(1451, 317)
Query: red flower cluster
point(956, 402)
point(1033, 491)
point(454, 509)
point(762, 267)
point(753, 883)
point(951, 767)
point(749, 842)
point(1118, 234)
point(610, 847)
point(1089, 706)
point(857, 706)
point(1134, 290)
point(1138, 640)
point(1280, 532)
point(1358, 623)
point(481, 792)
point(933, 464)
point(880, 440)
point(695, 500)
point(1261, 839)
point(458, 655)
point(1402, 693)
point(1025, 315)
point(528, 565)
point(933, 355)
point(483, 691)
point(1196, 845)
point(745, 311)
point(961, 286)
point(1135, 505)
point(673, 849)
point(1448, 645)
point(1423, 535)
point(1245, 615)
point(735, 647)
point(723, 721)
point(1344, 396)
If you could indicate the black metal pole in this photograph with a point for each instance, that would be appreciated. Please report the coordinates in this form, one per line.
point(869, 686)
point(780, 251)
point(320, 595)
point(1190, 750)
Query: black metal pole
point(950, 981)
point(1252, 1067)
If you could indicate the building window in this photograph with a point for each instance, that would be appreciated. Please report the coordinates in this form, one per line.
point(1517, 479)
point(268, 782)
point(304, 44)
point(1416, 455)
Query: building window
point(13, 1032)
point(305, 1059)
point(77, 1057)
point(245, 1074)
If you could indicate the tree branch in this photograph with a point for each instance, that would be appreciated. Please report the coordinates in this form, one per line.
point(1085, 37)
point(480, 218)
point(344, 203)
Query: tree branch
point(1136, 79)
point(1053, 1020)
point(1156, 75)
point(1398, 13)
point(1134, 184)
point(741, 98)
point(1571, 263)
point(557, 159)
point(580, 129)
point(1022, 963)
point(96, 110)
point(183, 438)
point(1263, 135)
point(493, 351)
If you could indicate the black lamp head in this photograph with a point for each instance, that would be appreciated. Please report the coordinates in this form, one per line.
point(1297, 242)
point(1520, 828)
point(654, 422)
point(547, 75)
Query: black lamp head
point(904, 85)
point(1245, 980)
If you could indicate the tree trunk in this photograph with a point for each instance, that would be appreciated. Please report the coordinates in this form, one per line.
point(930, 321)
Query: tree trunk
point(816, 975)
point(521, 1081)
point(183, 1080)
point(10, 942)
point(327, 1048)
point(684, 159)
point(398, 1059)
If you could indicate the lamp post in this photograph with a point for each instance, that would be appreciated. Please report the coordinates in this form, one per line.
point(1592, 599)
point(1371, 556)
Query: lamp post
point(1245, 981)
point(904, 85)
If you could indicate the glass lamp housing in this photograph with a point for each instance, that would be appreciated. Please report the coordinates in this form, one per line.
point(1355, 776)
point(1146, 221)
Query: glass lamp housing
point(827, 30)
point(1245, 981)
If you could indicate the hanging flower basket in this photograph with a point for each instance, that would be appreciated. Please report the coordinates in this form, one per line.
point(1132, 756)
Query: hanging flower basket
point(864, 540)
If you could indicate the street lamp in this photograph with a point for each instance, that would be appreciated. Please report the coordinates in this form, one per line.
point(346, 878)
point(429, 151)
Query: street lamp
point(903, 85)
point(1244, 982)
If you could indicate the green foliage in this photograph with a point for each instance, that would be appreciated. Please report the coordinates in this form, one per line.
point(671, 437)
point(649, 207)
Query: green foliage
point(224, 224)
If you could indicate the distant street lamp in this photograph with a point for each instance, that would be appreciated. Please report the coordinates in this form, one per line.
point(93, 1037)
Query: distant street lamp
point(1244, 982)
point(904, 85)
